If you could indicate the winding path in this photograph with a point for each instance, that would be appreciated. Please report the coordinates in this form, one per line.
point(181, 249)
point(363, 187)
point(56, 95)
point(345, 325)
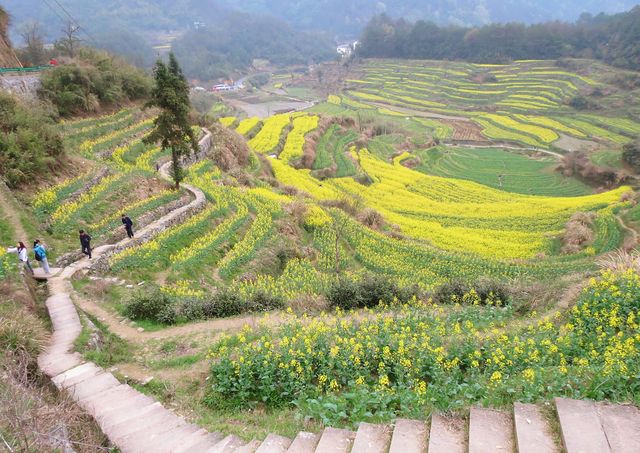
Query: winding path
point(132, 421)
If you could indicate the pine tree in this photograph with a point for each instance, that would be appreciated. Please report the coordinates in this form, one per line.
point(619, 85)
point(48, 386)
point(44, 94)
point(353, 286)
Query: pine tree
point(171, 128)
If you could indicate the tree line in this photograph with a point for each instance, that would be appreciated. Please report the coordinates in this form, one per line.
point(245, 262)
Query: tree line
point(614, 39)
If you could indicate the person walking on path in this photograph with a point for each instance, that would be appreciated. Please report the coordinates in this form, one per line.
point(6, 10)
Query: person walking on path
point(41, 255)
point(21, 251)
point(85, 242)
point(128, 225)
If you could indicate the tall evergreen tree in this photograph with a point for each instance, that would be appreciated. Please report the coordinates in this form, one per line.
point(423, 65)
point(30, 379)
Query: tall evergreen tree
point(171, 128)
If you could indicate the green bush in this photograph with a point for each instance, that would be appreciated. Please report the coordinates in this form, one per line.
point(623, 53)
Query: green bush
point(29, 144)
point(631, 154)
point(151, 304)
point(344, 293)
point(366, 293)
point(93, 80)
point(482, 292)
point(154, 305)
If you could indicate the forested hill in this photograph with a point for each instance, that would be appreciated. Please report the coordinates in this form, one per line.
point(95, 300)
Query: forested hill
point(214, 40)
point(239, 38)
point(614, 39)
point(342, 17)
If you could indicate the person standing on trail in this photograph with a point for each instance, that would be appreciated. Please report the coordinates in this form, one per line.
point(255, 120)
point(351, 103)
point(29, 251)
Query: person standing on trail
point(41, 255)
point(85, 242)
point(128, 225)
point(21, 251)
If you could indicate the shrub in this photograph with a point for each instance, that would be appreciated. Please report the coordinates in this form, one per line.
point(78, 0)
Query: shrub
point(482, 292)
point(264, 301)
point(93, 80)
point(151, 304)
point(29, 144)
point(344, 293)
point(374, 289)
point(631, 154)
point(368, 292)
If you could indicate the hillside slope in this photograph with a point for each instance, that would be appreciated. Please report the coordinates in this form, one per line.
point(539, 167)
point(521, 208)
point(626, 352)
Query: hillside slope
point(7, 58)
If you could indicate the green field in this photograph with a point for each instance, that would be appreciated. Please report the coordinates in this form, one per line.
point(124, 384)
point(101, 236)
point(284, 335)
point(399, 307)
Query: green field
point(509, 171)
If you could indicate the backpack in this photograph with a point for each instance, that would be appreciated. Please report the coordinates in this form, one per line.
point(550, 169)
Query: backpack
point(39, 254)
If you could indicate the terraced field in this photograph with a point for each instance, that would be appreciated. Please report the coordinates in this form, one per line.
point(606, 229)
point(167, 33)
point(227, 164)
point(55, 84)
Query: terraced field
point(525, 102)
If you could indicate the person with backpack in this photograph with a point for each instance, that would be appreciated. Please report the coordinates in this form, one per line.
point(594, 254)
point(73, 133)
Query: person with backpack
point(85, 243)
point(128, 225)
point(41, 255)
point(21, 251)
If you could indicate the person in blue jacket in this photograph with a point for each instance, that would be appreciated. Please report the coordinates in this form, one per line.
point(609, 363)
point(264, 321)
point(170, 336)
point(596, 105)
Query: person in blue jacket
point(41, 255)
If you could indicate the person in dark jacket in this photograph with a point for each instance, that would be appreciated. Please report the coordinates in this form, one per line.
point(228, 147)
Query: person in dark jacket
point(85, 242)
point(128, 225)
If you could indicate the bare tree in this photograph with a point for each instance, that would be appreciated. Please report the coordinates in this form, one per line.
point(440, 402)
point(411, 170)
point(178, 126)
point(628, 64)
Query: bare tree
point(33, 39)
point(70, 42)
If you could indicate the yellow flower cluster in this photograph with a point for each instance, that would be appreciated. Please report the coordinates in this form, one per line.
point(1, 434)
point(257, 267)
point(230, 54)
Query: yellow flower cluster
point(65, 211)
point(293, 147)
point(87, 147)
point(49, 195)
point(228, 121)
point(247, 125)
point(182, 288)
point(421, 349)
point(333, 99)
point(269, 136)
point(315, 217)
point(540, 133)
point(453, 214)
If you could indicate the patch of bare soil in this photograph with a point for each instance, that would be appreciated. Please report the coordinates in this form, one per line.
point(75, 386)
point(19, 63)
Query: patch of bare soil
point(568, 143)
point(466, 130)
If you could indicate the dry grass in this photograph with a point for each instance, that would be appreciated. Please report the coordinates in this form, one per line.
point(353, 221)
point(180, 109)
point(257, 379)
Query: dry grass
point(578, 232)
point(620, 261)
point(35, 418)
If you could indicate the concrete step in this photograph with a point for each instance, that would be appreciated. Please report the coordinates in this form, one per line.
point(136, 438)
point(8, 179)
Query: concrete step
point(447, 435)
point(409, 436)
point(110, 398)
point(53, 365)
point(191, 440)
point(171, 440)
point(304, 443)
point(151, 433)
point(126, 401)
point(335, 440)
point(371, 438)
point(251, 447)
point(533, 433)
point(154, 415)
point(490, 431)
point(226, 445)
point(580, 426)
point(274, 444)
point(76, 374)
point(116, 423)
point(94, 385)
point(209, 440)
point(621, 424)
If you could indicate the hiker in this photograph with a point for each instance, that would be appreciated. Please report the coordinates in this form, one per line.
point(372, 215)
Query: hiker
point(85, 242)
point(128, 225)
point(41, 255)
point(21, 251)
